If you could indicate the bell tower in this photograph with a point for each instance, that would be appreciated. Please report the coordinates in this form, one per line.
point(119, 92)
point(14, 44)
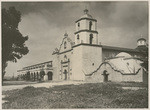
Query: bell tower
point(86, 30)
point(87, 53)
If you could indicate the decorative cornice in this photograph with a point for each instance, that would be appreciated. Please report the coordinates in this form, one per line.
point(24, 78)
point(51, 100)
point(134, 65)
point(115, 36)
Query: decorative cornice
point(86, 19)
point(69, 40)
point(65, 62)
point(113, 69)
point(86, 30)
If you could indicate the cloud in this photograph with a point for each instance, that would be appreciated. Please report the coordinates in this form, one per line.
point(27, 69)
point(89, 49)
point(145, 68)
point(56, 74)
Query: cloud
point(119, 24)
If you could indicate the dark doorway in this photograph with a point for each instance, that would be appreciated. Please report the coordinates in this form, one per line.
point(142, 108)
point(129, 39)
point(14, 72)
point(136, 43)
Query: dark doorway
point(65, 73)
point(105, 74)
point(91, 38)
point(50, 75)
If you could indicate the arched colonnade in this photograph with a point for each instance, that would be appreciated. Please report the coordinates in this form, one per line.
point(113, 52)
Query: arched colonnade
point(43, 75)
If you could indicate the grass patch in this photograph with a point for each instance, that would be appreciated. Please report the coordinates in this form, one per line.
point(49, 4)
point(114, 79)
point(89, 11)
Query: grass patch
point(93, 95)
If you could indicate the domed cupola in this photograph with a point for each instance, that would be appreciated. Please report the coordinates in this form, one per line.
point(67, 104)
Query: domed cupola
point(86, 15)
point(141, 44)
point(86, 29)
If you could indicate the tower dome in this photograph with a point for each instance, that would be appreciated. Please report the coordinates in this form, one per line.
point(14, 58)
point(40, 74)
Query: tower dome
point(86, 15)
point(142, 45)
point(123, 54)
point(141, 42)
point(86, 29)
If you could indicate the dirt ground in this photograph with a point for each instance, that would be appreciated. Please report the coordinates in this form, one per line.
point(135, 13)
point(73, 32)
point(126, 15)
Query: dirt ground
point(22, 84)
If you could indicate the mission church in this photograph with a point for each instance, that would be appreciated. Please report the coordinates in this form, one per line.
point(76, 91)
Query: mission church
point(87, 60)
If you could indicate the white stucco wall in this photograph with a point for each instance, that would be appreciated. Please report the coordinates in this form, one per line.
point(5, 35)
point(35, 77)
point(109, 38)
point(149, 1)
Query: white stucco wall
point(77, 58)
point(115, 76)
point(56, 67)
point(135, 78)
point(92, 57)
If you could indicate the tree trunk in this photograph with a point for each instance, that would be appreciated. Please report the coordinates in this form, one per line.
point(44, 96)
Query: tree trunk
point(4, 65)
point(3, 73)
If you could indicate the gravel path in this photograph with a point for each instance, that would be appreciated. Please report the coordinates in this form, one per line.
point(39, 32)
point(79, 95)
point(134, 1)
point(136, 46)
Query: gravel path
point(44, 84)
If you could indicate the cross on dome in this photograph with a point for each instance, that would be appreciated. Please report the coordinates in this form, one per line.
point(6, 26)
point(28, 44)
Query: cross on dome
point(65, 34)
point(86, 15)
point(86, 11)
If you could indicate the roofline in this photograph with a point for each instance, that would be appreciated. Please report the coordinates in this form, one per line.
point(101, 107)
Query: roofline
point(65, 51)
point(87, 19)
point(38, 64)
point(119, 49)
point(86, 30)
point(141, 39)
point(109, 47)
point(95, 45)
point(20, 70)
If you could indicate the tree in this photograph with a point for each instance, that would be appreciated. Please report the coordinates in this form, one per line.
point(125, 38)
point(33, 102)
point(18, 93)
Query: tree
point(144, 50)
point(13, 42)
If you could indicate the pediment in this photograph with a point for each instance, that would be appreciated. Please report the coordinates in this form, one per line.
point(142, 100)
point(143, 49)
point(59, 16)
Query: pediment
point(66, 44)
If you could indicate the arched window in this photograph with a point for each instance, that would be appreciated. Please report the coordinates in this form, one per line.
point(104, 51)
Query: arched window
point(91, 38)
point(78, 24)
point(65, 73)
point(78, 37)
point(65, 45)
point(90, 25)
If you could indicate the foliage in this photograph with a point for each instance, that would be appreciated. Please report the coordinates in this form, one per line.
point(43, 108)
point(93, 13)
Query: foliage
point(13, 42)
point(99, 95)
point(144, 51)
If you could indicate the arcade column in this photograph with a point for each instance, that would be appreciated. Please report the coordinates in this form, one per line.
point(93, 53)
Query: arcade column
point(46, 75)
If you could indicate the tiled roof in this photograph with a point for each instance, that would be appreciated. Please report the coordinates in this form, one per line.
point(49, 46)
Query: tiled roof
point(104, 47)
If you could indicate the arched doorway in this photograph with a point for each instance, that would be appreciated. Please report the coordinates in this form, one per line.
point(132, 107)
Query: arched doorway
point(105, 74)
point(28, 76)
point(91, 38)
point(42, 73)
point(50, 75)
point(24, 77)
point(31, 76)
point(65, 74)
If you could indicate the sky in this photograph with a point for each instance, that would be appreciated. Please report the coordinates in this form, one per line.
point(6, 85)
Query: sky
point(119, 24)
